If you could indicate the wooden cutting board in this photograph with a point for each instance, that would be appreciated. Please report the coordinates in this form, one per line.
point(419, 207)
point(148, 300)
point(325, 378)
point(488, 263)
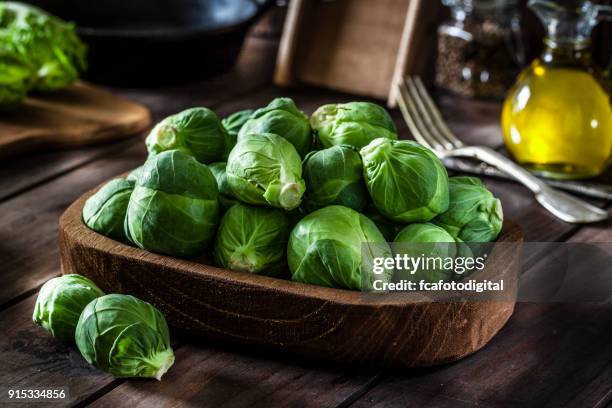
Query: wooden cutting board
point(397, 329)
point(80, 115)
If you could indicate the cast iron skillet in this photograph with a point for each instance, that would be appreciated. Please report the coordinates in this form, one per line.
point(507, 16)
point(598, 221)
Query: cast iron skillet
point(136, 42)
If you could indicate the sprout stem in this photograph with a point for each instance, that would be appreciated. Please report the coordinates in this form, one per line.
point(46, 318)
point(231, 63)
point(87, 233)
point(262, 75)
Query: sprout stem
point(290, 196)
point(164, 361)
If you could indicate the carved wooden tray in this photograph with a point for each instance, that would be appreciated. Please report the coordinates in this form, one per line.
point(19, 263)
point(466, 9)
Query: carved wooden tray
point(398, 329)
point(79, 115)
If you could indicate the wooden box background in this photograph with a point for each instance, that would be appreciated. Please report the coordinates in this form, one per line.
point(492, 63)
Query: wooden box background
point(362, 46)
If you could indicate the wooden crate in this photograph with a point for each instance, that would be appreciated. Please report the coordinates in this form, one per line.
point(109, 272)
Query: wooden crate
point(356, 46)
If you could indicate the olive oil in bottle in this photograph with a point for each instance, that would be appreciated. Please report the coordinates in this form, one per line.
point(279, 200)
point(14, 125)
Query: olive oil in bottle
point(557, 118)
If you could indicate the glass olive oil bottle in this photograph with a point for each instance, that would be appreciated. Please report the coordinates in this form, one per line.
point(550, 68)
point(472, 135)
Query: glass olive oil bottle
point(557, 118)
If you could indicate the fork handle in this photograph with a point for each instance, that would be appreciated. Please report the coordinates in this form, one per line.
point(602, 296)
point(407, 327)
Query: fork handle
point(564, 206)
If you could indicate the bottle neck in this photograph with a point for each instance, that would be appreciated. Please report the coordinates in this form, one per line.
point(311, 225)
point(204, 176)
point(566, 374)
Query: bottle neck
point(567, 53)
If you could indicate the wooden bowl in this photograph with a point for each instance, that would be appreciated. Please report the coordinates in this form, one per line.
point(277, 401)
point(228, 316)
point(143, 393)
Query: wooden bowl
point(398, 329)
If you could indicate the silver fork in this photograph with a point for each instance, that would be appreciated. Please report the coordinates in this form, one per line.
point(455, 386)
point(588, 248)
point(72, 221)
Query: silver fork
point(428, 127)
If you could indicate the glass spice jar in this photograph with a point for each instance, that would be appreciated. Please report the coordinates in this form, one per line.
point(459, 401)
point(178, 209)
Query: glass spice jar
point(480, 49)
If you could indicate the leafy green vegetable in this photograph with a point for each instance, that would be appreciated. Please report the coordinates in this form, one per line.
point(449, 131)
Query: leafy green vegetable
point(474, 214)
point(195, 131)
point(174, 207)
point(253, 239)
point(60, 303)
point(125, 337)
point(406, 181)
point(334, 176)
point(15, 78)
point(234, 122)
point(282, 118)
point(432, 241)
point(104, 212)
point(226, 199)
point(325, 248)
point(266, 169)
point(353, 123)
point(46, 44)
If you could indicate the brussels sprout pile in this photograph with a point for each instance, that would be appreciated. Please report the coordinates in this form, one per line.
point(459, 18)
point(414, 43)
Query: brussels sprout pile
point(38, 52)
point(119, 334)
point(278, 192)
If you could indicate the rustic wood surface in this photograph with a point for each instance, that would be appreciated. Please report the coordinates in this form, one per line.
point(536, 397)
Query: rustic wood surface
point(547, 355)
point(79, 115)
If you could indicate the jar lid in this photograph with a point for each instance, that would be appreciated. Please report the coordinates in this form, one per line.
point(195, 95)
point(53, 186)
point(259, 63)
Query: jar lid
point(480, 5)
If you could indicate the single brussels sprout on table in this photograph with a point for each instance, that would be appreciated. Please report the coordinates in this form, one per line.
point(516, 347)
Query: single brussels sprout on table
point(104, 212)
point(417, 239)
point(282, 118)
point(226, 199)
point(334, 176)
point(265, 169)
point(60, 303)
point(47, 44)
point(325, 249)
point(474, 214)
point(196, 131)
point(174, 207)
point(125, 337)
point(353, 123)
point(234, 122)
point(253, 239)
point(406, 181)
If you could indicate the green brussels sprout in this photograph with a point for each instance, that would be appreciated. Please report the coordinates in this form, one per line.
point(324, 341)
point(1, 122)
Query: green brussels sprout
point(282, 118)
point(253, 239)
point(104, 212)
point(174, 207)
point(195, 131)
point(47, 44)
point(325, 248)
point(388, 228)
point(134, 174)
point(266, 169)
point(60, 303)
point(474, 214)
point(125, 336)
point(334, 176)
point(234, 122)
point(353, 123)
point(406, 181)
point(434, 242)
point(226, 199)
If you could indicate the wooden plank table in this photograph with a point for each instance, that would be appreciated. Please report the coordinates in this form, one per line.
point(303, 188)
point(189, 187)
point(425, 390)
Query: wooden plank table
point(548, 355)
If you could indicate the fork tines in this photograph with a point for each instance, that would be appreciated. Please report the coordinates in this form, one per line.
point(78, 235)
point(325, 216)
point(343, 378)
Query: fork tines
point(423, 117)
